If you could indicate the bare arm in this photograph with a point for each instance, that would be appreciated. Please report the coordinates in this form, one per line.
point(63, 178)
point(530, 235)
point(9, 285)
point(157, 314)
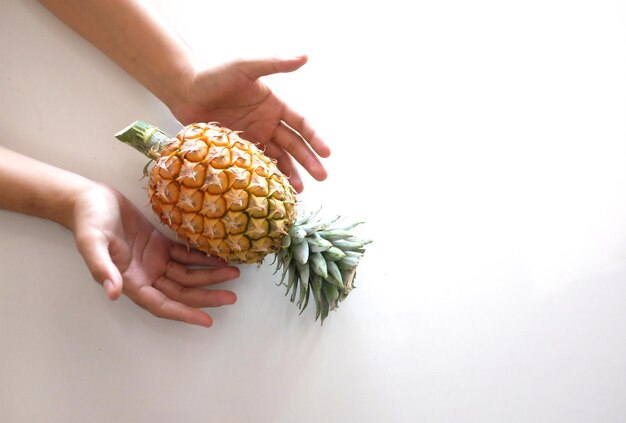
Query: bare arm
point(35, 188)
point(134, 36)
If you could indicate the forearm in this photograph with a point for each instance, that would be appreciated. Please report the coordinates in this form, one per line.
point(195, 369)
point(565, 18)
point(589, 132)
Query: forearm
point(132, 34)
point(31, 187)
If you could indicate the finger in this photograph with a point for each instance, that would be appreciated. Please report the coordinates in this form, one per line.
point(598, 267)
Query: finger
point(194, 297)
point(199, 277)
point(94, 247)
point(301, 125)
point(161, 306)
point(293, 144)
point(285, 164)
point(255, 68)
point(184, 255)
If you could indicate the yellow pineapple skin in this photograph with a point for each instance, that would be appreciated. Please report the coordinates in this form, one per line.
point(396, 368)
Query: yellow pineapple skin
point(221, 194)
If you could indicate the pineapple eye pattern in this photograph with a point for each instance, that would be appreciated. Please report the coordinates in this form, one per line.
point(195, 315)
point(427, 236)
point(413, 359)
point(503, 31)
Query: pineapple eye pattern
point(221, 195)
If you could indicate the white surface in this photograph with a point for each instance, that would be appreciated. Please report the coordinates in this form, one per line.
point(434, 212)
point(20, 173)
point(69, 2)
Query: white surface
point(483, 142)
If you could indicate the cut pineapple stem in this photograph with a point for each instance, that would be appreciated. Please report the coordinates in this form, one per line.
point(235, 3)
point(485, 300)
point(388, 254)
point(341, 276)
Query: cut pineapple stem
point(319, 259)
point(145, 138)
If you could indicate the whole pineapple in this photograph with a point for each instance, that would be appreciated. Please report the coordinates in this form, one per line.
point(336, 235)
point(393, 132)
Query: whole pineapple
point(223, 196)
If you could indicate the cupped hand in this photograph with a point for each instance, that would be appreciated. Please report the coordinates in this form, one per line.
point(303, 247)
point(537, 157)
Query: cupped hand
point(233, 96)
point(126, 253)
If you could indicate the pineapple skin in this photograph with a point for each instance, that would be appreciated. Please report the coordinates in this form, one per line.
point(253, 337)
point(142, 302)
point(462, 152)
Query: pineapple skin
point(221, 194)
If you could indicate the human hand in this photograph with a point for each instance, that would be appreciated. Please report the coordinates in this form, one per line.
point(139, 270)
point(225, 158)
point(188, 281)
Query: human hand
point(132, 35)
point(126, 253)
point(233, 96)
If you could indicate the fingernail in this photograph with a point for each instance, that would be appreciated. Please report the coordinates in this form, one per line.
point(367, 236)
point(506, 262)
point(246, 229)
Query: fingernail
point(207, 323)
point(298, 57)
point(108, 286)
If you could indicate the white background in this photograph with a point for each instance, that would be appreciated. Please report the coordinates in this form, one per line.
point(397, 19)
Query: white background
point(483, 142)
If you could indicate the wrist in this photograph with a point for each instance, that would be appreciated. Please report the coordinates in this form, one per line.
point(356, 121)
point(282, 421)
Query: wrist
point(179, 95)
point(175, 85)
point(32, 187)
point(63, 208)
point(56, 199)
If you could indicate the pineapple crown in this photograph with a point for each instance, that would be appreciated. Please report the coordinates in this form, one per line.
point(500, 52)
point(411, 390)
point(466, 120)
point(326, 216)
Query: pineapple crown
point(319, 258)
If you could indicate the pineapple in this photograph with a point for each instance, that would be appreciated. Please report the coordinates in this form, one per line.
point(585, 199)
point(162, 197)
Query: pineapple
point(223, 196)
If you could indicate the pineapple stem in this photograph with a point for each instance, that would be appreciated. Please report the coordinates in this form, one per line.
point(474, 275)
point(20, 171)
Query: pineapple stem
point(145, 138)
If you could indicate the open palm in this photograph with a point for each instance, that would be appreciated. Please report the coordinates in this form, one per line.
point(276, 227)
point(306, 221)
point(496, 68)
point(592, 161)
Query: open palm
point(126, 253)
point(233, 96)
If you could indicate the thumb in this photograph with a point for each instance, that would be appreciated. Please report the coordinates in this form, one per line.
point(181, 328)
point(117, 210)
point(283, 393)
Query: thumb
point(94, 247)
point(255, 68)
